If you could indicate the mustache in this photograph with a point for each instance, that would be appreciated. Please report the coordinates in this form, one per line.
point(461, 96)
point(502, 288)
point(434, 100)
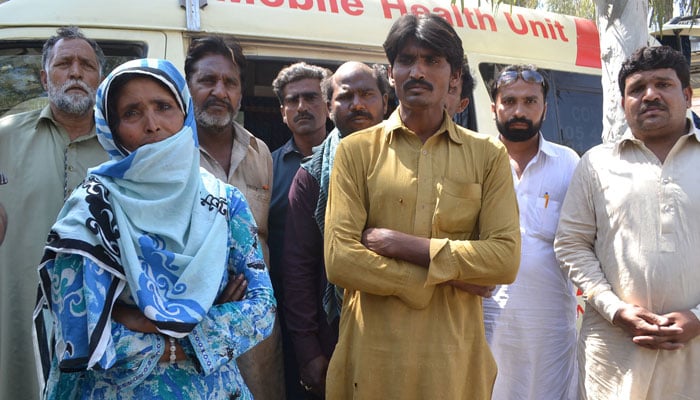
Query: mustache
point(73, 83)
point(360, 113)
point(213, 101)
point(652, 104)
point(516, 120)
point(412, 83)
point(303, 115)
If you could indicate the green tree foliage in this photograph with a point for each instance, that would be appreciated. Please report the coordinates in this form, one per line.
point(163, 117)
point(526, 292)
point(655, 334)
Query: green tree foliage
point(578, 8)
point(520, 3)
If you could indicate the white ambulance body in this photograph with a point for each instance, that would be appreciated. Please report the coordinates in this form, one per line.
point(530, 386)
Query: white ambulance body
point(276, 33)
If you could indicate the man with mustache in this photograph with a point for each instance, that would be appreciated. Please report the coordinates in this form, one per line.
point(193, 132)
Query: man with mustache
point(543, 366)
point(44, 155)
point(305, 112)
point(629, 237)
point(357, 98)
point(215, 72)
point(421, 213)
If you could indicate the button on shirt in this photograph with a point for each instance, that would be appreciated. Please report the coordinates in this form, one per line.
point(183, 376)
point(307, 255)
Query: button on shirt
point(543, 366)
point(285, 163)
point(250, 172)
point(402, 335)
point(630, 232)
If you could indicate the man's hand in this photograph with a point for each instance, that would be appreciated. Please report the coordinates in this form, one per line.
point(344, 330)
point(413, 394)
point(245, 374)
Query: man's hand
point(477, 290)
point(378, 240)
point(688, 327)
point(313, 375)
point(398, 245)
point(647, 329)
point(234, 290)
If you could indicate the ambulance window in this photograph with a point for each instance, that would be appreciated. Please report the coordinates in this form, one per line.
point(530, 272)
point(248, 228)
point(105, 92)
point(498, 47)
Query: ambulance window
point(574, 107)
point(20, 64)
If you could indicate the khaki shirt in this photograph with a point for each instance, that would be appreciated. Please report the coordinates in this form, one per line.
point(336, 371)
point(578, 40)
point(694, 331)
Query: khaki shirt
point(251, 173)
point(42, 167)
point(402, 335)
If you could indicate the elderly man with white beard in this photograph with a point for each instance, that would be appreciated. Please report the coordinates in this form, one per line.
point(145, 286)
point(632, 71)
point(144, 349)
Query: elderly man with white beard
point(44, 155)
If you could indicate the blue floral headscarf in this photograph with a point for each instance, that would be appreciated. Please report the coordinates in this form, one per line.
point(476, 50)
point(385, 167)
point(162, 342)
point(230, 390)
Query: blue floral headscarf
point(147, 220)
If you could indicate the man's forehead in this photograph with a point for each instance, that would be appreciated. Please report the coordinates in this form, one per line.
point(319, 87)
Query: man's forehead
point(653, 74)
point(520, 88)
point(302, 86)
point(412, 45)
point(362, 80)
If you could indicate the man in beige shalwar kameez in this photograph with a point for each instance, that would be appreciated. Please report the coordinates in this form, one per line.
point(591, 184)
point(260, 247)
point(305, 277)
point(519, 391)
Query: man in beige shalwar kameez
point(629, 235)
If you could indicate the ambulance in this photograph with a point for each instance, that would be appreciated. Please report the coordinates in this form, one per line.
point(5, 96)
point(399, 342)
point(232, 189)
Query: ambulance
point(276, 33)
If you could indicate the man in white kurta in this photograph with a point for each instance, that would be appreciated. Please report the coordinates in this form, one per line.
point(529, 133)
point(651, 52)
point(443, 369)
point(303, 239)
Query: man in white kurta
point(531, 323)
point(629, 235)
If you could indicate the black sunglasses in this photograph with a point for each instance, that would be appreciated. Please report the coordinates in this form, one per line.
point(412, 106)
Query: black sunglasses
point(527, 75)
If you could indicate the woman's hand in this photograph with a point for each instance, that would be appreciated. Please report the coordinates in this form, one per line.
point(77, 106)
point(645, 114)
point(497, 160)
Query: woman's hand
point(234, 290)
point(133, 319)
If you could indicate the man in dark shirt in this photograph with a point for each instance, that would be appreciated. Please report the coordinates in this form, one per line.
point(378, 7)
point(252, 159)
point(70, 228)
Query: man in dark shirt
point(357, 98)
point(304, 110)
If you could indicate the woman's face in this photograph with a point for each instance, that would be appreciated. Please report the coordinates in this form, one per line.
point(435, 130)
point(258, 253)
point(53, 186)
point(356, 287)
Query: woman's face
point(147, 113)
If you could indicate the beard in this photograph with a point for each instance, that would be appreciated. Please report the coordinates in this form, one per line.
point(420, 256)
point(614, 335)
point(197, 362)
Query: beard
point(214, 122)
point(71, 103)
point(519, 134)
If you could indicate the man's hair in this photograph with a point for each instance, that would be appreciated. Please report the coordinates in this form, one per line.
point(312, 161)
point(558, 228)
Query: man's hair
point(69, 33)
point(297, 72)
point(379, 73)
point(650, 58)
point(430, 31)
point(467, 80)
point(495, 83)
point(210, 45)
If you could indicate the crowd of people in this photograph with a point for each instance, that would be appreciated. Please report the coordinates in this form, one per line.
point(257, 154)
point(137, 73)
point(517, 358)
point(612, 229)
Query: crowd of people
point(398, 256)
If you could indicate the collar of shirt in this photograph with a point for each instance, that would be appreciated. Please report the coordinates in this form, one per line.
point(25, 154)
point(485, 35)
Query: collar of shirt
point(394, 126)
point(546, 147)
point(628, 137)
point(46, 116)
point(289, 147)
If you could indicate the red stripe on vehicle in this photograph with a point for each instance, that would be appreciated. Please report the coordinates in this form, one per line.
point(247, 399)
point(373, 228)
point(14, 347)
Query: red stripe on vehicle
point(587, 43)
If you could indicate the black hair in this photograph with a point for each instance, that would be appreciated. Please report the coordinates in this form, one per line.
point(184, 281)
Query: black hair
point(430, 31)
point(201, 47)
point(519, 68)
point(650, 58)
point(297, 72)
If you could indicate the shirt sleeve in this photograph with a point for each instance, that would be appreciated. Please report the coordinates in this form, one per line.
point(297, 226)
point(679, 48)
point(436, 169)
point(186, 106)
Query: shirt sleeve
point(231, 329)
point(302, 268)
point(349, 264)
point(492, 255)
point(128, 356)
point(575, 239)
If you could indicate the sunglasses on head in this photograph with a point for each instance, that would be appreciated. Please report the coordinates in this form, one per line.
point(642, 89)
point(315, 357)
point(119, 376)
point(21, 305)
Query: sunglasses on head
point(527, 75)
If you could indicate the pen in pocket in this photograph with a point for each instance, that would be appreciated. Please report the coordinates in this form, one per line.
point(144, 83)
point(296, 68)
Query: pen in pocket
point(546, 199)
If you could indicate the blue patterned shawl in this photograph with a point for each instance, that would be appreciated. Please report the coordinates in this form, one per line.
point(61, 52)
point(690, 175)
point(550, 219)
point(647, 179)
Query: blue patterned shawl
point(148, 220)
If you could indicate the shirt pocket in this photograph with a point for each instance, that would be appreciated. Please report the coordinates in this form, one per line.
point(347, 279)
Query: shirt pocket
point(259, 202)
point(542, 217)
point(458, 206)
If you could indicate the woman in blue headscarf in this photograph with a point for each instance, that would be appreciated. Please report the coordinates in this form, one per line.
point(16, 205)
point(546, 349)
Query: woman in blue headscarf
point(152, 272)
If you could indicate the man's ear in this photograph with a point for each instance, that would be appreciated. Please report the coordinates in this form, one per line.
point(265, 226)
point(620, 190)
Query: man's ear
point(688, 92)
point(43, 76)
point(463, 103)
point(284, 117)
